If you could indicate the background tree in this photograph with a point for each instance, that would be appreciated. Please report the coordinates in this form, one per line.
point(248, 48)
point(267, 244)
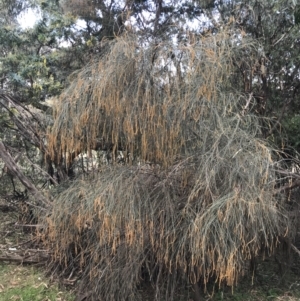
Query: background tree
point(34, 65)
point(272, 77)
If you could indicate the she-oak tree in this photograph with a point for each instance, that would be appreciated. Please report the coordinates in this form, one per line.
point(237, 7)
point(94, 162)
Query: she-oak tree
point(201, 114)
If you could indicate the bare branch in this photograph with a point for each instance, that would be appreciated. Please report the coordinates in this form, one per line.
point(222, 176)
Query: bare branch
point(15, 171)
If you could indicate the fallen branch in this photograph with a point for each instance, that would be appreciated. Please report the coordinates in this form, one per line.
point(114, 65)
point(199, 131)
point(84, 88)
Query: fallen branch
point(15, 171)
point(25, 255)
point(35, 258)
point(30, 225)
point(288, 187)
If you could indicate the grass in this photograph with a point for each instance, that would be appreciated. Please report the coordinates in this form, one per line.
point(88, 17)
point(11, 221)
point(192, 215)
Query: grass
point(27, 283)
point(23, 282)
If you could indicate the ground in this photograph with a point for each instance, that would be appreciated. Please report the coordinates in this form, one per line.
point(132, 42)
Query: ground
point(268, 284)
point(22, 276)
point(27, 283)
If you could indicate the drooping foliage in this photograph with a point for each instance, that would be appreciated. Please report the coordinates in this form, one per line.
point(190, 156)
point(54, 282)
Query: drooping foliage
point(152, 103)
point(146, 227)
point(204, 204)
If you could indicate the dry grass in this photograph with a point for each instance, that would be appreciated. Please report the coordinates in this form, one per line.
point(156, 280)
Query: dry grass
point(202, 208)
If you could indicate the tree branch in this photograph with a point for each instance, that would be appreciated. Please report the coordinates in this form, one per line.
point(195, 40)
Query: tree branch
point(15, 171)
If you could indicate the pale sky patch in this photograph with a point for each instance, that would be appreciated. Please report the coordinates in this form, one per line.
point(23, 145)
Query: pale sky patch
point(29, 18)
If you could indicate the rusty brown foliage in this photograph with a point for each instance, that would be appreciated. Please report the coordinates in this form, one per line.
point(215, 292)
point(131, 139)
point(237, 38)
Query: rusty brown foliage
point(195, 200)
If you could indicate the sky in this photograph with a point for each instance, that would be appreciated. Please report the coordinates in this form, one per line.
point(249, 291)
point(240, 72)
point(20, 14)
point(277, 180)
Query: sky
point(28, 18)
